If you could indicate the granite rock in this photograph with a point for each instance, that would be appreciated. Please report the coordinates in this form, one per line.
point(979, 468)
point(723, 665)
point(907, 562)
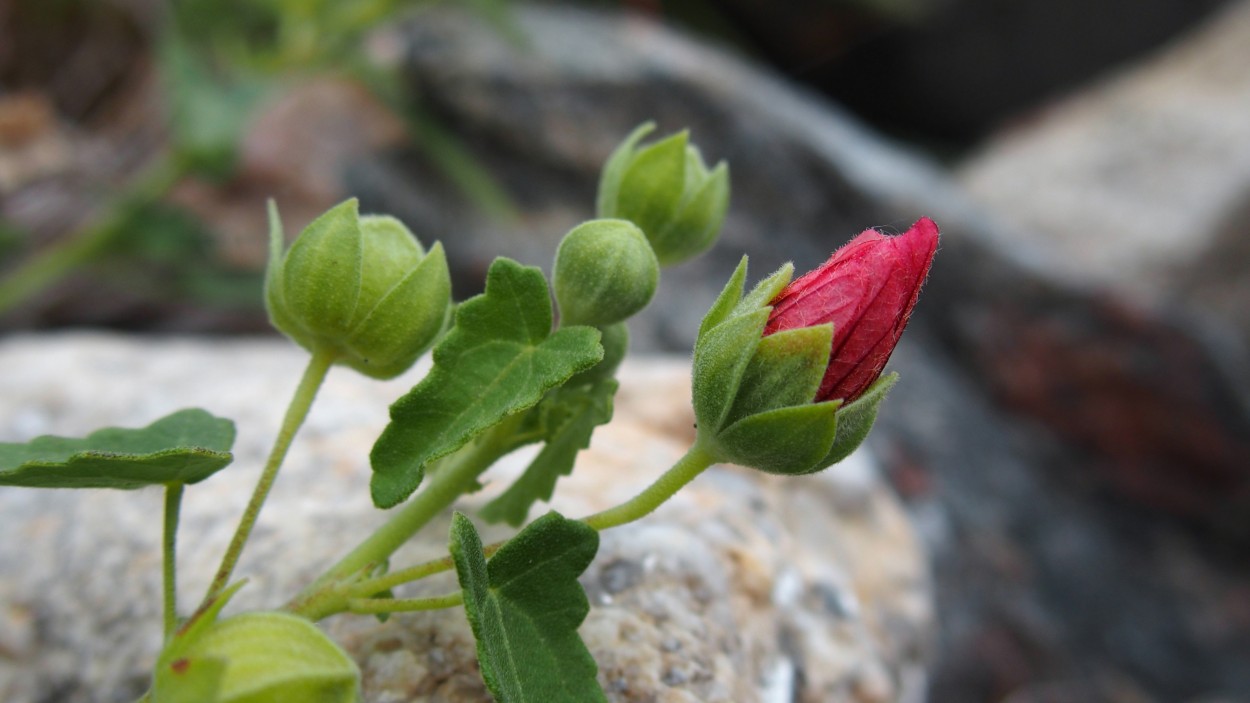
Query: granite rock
point(743, 588)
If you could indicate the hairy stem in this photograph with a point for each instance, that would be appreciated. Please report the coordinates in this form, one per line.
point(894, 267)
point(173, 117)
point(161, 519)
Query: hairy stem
point(377, 606)
point(169, 553)
point(695, 461)
point(301, 402)
point(684, 471)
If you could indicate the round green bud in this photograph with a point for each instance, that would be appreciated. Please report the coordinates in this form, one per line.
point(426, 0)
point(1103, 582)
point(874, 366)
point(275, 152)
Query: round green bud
point(361, 288)
point(667, 190)
point(256, 657)
point(604, 272)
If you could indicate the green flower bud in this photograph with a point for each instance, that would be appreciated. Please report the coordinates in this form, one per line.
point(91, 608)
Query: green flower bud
point(604, 272)
point(753, 394)
point(359, 287)
point(667, 190)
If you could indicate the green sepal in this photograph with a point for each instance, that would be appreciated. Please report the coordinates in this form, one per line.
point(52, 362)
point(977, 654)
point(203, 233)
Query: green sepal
point(785, 370)
point(187, 446)
point(855, 420)
point(695, 226)
point(525, 606)
point(322, 270)
point(651, 187)
point(728, 299)
point(614, 170)
point(762, 295)
point(569, 417)
point(405, 321)
point(389, 252)
point(721, 356)
point(263, 657)
point(275, 295)
point(790, 440)
point(179, 678)
point(500, 358)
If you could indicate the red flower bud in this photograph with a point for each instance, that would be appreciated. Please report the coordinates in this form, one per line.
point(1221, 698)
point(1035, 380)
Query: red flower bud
point(867, 289)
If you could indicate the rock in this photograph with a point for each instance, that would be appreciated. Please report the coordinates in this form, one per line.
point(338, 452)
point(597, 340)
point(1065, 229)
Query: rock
point(966, 67)
point(745, 587)
point(1060, 446)
point(1139, 182)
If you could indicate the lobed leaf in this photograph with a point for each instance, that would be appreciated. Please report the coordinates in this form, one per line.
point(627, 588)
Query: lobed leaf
point(525, 606)
point(499, 359)
point(185, 447)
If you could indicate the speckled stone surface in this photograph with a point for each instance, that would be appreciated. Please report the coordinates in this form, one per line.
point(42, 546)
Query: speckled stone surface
point(744, 588)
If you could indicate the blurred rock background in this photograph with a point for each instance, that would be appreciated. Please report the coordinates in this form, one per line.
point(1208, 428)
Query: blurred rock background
point(1072, 435)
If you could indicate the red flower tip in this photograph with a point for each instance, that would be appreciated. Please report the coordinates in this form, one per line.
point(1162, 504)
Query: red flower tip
point(867, 289)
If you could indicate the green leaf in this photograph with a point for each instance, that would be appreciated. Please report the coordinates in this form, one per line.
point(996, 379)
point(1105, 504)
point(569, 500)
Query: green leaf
point(499, 359)
point(569, 418)
point(525, 607)
point(185, 447)
point(855, 420)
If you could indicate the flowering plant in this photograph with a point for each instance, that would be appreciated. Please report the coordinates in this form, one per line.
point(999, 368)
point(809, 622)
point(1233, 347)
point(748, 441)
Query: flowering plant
point(786, 379)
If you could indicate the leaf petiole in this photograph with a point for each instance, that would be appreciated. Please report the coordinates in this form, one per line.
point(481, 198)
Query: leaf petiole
point(169, 554)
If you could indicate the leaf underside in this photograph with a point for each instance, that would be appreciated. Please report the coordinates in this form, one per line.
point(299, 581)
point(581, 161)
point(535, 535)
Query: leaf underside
point(185, 447)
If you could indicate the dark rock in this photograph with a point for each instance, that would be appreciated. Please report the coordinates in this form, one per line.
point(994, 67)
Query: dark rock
point(973, 65)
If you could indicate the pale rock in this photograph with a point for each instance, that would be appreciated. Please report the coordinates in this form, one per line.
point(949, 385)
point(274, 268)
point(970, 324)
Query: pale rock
point(745, 587)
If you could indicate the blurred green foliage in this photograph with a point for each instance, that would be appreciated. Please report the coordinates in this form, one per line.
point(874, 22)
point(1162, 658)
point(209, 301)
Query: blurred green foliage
point(217, 60)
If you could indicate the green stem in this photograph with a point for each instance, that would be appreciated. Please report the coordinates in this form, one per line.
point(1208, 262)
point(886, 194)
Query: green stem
point(455, 477)
point(52, 263)
point(305, 393)
point(169, 552)
point(683, 472)
point(377, 606)
point(696, 460)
